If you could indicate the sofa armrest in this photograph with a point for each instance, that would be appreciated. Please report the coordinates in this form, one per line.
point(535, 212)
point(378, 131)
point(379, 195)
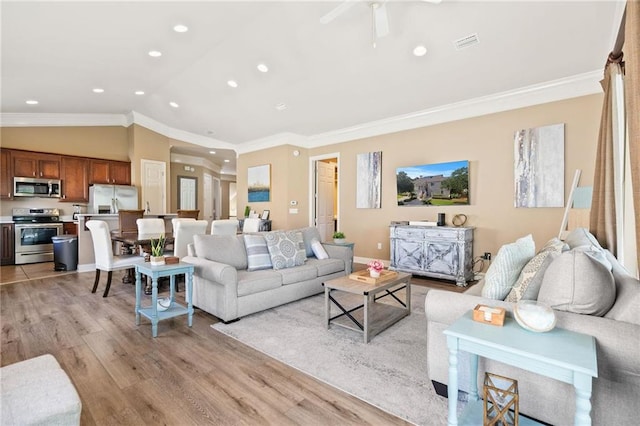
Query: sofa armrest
point(341, 252)
point(220, 273)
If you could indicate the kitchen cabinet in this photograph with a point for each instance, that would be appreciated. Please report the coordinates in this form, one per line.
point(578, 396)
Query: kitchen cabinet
point(74, 174)
point(33, 164)
point(7, 244)
point(110, 172)
point(70, 228)
point(434, 251)
point(6, 175)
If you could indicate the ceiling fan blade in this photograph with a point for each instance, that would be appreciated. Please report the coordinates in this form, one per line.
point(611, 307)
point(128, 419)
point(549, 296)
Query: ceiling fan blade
point(337, 11)
point(380, 20)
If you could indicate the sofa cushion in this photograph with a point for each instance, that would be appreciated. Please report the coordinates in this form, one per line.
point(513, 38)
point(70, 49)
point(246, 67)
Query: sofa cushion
point(326, 266)
point(257, 281)
point(581, 237)
point(298, 274)
point(228, 249)
point(627, 305)
point(577, 282)
point(286, 249)
point(505, 269)
point(318, 250)
point(530, 279)
point(309, 234)
point(257, 252)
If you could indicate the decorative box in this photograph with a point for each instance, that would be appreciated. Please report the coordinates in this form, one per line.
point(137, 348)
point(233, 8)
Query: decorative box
point(489, 315)
point(170, 260)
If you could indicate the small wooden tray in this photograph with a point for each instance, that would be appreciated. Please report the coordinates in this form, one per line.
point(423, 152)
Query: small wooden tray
point(170, 260)
point(363, 276)
point(489, 315)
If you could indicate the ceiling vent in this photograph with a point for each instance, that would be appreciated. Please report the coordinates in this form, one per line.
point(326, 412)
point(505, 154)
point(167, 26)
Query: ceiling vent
point(467, 41)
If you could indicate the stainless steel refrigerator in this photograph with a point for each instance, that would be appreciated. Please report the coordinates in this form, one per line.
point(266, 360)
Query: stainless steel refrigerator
point(112, 198)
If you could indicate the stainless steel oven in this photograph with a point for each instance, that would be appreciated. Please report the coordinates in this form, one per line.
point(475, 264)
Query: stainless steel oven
point(34, 229)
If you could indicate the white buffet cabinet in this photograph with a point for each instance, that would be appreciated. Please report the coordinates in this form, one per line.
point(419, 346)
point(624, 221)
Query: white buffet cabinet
point(434, 251)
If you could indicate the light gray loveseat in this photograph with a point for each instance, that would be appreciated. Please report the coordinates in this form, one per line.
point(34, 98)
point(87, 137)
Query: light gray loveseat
point(615, 396)
point(226, 286)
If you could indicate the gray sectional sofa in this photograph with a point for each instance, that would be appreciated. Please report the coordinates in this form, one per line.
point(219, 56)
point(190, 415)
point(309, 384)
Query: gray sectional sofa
point(235, 275)
point(615, 396)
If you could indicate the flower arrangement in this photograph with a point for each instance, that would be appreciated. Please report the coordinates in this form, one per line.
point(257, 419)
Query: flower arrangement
point(375, 265)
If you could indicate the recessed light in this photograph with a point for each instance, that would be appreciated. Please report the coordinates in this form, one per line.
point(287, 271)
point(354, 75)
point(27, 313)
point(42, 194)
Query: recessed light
point(226, 161)
point(181, 28)
point(212, 152)
point(98, 90)
point(32, 102)
point(232, 83)
point(420, 50)
point(263, 68)
point(281, 106)
point(155, 53)
point(173, 104)
point(139, 92)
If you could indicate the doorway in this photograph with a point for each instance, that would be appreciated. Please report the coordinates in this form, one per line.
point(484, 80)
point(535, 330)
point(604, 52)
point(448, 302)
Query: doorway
point(324, 194)
point(154, 186)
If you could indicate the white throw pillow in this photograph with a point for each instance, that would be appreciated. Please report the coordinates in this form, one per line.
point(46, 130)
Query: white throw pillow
point(318, 250)
point(505, 269)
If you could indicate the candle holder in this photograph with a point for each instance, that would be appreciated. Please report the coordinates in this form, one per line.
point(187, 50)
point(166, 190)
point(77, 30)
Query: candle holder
point(500, 400)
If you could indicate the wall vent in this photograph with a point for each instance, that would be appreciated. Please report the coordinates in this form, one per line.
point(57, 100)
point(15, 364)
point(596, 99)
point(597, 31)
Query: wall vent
point(467, 41)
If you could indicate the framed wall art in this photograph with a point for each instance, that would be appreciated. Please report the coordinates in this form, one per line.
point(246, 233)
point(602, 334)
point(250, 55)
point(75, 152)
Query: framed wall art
point(438, 184)
point(368, 180)
point(259, 183)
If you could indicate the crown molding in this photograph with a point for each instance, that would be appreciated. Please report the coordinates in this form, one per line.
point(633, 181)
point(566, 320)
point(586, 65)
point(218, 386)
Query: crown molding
point(555, 90)
point(18, 119)
point(195, 161)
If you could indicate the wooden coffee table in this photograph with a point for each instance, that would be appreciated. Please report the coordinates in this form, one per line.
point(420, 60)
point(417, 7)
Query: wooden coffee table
point(370, 317)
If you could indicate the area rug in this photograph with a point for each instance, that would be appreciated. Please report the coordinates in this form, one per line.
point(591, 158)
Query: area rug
point(390, 372)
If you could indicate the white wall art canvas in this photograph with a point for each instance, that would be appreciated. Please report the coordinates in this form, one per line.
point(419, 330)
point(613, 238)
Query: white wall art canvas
point(539, 166)
point(368, 171)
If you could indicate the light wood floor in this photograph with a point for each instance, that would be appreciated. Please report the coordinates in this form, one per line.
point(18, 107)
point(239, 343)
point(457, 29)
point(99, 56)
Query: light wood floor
point(184, 376)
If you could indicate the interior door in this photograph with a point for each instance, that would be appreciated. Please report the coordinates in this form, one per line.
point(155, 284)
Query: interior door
point(325, 187)
point(154, 186)
point(208, 210)
point(217, 198)
point(188, 188)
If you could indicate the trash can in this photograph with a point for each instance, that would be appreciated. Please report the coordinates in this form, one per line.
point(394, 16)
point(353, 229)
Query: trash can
point(65, 252)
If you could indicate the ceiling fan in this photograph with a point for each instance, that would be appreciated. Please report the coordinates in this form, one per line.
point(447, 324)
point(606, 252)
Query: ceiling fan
point(379, 18)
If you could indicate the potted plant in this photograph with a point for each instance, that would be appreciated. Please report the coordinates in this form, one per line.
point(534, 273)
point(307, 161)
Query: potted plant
point(157, 249)
point(339, 238)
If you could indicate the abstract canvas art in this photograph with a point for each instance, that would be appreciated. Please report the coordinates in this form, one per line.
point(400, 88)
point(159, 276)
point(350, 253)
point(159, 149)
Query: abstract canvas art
point(368, 177)
point(259, 183)
point(539, 166)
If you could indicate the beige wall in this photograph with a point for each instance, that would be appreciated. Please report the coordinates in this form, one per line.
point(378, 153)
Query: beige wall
point(108, 142)
point(486, 141)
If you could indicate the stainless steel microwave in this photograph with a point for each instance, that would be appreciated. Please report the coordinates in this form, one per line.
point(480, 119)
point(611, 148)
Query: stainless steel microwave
point(31, 187)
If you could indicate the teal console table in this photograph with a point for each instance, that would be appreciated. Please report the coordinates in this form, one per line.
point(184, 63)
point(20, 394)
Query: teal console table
point(175, 309)
point(560, 354)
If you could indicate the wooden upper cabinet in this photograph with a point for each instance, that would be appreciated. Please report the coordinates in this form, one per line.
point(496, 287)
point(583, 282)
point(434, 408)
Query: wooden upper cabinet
point(110, 172)
point(6, 175)
point(75, 179)
point(32, 164)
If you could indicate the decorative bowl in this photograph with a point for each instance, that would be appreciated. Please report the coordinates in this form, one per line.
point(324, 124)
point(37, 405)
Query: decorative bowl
point(164, 304)
point(534, 316)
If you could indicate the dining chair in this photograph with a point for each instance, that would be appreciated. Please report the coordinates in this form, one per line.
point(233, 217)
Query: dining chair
point(104, 257)
point(127, 223)
point(251, 225)
point(183, 235)
point(179, 219)
point(224, 227)
point(188, 213)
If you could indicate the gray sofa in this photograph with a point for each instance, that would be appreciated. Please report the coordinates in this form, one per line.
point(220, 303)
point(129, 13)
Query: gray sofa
point(226, 286)
point(615, 396)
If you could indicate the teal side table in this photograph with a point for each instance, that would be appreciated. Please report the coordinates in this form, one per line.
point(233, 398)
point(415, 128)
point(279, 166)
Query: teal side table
point(560, 354)
point(175, 309)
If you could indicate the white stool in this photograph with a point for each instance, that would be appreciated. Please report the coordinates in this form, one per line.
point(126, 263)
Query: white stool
point(38, 391)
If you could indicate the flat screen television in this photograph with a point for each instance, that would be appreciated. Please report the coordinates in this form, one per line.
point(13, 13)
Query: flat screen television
point(439, 184)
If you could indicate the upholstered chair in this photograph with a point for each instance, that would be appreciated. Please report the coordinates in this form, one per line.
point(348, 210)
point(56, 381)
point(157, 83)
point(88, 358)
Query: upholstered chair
point(103, 252)
point(251, 225)
point(179, 219)
point(183, 233)
point(224, 227)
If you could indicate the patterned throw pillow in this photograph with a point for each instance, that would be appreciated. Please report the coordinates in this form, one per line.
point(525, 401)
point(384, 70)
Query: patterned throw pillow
point(257, 252)
point(286, 249)
point(528, 284)
point(505, 269)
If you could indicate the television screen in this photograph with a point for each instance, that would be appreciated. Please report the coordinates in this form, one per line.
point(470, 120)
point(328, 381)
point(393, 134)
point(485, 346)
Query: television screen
point(440, 184)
